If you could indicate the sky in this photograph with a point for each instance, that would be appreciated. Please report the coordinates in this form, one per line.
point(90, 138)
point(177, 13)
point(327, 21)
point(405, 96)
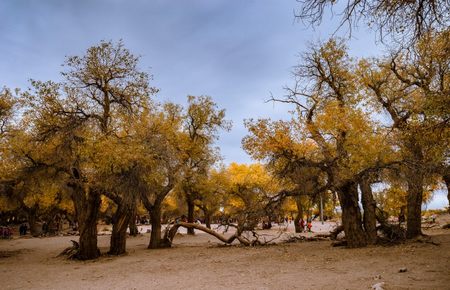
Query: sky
point(239, 52)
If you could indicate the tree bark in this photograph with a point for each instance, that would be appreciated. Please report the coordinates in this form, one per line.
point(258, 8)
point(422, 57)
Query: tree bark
point(369, 206)
point(120, 220)
point(168, 237)
point(32, 221)
point(446, 178)
point(351, 215)
point(87, 205)
point(132, 224)
point(190, 217)
point(87, 220)
point(415, 182)
point(155, 236)
point(154, 210)
point(208, 219)
point(298, 228)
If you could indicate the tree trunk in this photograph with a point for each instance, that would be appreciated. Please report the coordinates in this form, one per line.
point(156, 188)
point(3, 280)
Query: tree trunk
point(87, 220)
point(369, 206)
point(414, 203)
point(208, 219)
point(155, 236)
point(298, 228)
point(32, 222)
point(447, 182)
point(120, 220)
point(190, 217)
point(132, 224)
point(351, 215)
point(134, 231)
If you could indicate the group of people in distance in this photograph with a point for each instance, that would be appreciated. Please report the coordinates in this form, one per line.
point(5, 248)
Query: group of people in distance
point(305, 225)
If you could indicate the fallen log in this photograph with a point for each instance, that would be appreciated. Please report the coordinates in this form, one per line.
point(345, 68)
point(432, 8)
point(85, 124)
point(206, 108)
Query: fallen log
point(295, 239)
point(171, 232)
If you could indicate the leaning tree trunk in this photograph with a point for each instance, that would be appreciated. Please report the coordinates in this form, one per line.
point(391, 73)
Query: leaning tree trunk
point(155, 236)
point(351, 215)
point(415, 182)
point(369, 206)
point(87, 213)
point(190, 217)
point(298, 228)
point(120, 220)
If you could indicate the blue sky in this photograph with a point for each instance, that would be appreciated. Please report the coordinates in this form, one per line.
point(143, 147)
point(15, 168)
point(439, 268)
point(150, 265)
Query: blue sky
point(236, 51)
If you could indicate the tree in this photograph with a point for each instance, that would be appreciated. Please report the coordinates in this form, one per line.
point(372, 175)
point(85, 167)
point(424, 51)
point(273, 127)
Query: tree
point(7, 106)
point(161, 136)
point(324, 95)
point(403, 19)
point(102, 91)
point(250, 191)
point(7, 164)
point(202, 122)
point(211, 191)
point(413, 88)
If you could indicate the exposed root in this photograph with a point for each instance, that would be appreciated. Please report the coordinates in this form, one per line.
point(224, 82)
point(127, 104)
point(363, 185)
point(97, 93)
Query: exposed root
point(339, 243)
point(71, 252)
point(425, 239)
point(296, 239)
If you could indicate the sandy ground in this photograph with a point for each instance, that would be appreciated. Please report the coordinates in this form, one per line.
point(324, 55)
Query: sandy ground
point(198, 262)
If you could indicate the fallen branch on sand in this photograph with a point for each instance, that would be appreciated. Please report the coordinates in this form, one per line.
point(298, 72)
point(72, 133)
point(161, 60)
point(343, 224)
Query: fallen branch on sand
point(257, 239)
point(295, 239)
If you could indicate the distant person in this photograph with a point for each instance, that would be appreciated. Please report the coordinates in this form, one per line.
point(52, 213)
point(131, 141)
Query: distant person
point(44, 228)
point(302, 224)
point(6, 232)
point(309, 225)
point(23, 229)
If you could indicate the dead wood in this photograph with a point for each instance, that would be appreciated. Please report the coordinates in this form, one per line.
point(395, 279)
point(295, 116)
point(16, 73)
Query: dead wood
point(295, 239)
point(71, 252)
point(339, 244)
point(257, 239)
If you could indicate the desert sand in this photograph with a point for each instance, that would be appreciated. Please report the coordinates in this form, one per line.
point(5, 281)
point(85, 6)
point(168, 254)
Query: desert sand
point(200, 262)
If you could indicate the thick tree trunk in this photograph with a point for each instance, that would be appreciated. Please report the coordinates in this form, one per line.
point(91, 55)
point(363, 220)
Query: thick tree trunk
point(447, 182)
point(155, 236)
point(415, 182)
point(190, 217)
point(298, 228)
point(369, 206)
point(132, 224)
point(134, 231)
point(87, 220)
point(32, 222)
point(351, 215)
point(120, 220)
